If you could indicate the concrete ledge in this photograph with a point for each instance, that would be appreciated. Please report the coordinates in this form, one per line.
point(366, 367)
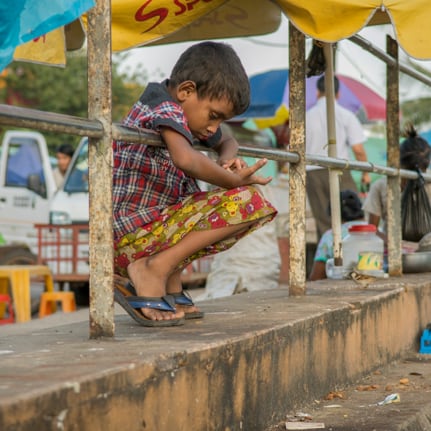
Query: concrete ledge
point(254, 357)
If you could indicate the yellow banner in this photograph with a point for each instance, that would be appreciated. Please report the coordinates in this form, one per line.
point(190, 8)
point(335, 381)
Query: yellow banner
point(49, 48)
point(151, 22)
point(168, 21)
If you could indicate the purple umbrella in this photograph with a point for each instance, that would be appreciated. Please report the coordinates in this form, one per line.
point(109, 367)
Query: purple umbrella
point(270, 91)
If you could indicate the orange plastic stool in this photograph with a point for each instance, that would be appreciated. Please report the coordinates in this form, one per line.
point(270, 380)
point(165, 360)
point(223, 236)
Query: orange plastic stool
point(8, 301)
point(48, 302)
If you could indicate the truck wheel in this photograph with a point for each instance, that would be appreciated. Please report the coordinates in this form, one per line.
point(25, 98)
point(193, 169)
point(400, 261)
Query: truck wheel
point(15, 256)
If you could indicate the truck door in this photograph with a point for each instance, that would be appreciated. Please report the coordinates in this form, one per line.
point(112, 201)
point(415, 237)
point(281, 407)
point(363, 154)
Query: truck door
point(25, 164)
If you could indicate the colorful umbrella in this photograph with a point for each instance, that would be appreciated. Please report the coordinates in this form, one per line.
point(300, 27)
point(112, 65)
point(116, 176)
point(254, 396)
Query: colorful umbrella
point(270, 91)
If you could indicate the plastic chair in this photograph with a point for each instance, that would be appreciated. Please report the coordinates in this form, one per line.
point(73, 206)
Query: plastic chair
point(5, 298)
point(48, 301)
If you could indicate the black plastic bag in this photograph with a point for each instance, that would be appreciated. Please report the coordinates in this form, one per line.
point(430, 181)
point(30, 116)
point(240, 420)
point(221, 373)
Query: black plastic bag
point(415, 210)
point(316, 63)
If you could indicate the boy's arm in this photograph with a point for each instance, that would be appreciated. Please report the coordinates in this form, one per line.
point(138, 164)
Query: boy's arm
point(227, 149)
point(197, 165)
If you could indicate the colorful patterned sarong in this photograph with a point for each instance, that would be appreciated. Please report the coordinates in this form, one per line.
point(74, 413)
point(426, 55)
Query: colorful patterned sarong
point(198, 212)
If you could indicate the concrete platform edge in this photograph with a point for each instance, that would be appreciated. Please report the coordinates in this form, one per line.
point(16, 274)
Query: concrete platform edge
point(254, 357)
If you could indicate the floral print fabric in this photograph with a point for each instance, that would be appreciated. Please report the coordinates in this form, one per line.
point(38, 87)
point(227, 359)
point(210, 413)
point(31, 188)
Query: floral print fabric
point(198, 212)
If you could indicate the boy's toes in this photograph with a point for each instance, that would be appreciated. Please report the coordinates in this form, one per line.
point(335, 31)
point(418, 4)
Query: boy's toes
point(153, 314)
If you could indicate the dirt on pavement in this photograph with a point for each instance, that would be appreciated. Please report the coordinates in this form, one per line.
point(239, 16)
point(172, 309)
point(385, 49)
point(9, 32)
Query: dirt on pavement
point(366, 406)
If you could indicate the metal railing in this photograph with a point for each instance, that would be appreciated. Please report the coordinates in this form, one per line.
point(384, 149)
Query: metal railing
point(101, 131)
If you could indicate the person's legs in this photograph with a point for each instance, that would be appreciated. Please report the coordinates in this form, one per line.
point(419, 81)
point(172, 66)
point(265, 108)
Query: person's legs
point(347, 182)
point(205, 223)
point(318, 193)
point(156, 275)
point(317, 186)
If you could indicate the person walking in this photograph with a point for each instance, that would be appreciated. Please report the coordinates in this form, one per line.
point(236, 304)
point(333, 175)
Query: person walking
point(349, 136)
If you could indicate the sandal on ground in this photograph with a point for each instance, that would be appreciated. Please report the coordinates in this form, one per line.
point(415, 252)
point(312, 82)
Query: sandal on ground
point(182, 298)
point(133, 304)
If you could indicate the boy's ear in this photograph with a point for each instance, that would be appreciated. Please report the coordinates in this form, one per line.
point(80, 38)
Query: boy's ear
point(185, 89)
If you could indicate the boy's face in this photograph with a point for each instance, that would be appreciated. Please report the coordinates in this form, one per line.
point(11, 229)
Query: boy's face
point(204, 116)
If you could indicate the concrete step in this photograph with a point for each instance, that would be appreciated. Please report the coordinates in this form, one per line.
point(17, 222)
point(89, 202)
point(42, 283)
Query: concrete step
point(254, 357)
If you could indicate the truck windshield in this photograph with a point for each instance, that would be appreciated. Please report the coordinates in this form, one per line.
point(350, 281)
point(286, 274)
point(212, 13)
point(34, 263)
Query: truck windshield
point(24, 160)
point(77, 176)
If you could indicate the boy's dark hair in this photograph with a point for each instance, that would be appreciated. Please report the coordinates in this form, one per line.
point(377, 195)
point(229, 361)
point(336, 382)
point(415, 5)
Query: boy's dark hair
point(65, 149)
point(217, 71)
point(415, 152)
point(321, 84)
point(351, 206)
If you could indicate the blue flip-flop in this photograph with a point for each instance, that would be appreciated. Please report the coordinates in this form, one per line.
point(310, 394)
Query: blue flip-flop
point(181, 298)
point(133, 304)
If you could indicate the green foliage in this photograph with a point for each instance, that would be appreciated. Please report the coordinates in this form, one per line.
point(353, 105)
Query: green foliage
point(415, 111)
point(65, 91)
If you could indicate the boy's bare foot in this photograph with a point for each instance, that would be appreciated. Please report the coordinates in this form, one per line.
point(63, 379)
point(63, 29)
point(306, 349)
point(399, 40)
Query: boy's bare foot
point(183, 300)
point(149, 280)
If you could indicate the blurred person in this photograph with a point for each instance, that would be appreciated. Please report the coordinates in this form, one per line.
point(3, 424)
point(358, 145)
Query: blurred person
point(351, 214)
point(349, 135)
point(415, 154)
point(63, 155)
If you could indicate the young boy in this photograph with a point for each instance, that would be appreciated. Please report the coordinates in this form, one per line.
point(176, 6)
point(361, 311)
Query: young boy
point(162, 221)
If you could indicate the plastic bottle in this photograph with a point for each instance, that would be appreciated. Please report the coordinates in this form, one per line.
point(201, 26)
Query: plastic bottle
point(363, 249)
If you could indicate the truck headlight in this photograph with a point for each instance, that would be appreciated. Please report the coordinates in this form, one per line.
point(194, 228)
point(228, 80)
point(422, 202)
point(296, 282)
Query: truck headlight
point(59, 217)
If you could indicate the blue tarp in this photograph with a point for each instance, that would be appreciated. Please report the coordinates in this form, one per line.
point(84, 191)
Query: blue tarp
point(426, 135)
point(24, 20)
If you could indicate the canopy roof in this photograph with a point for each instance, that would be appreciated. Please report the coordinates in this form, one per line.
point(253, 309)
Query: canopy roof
point(135, 23)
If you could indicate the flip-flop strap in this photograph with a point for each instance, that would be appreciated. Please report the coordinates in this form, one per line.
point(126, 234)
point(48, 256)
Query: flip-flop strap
point(165, 303)
point(183, 298)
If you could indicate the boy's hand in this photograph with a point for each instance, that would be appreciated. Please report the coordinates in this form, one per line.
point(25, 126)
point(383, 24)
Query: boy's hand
point(232, 165)
point(247, 174)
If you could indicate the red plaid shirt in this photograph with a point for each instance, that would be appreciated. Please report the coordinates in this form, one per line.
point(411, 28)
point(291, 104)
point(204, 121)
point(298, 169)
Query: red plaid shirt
point(145, 180)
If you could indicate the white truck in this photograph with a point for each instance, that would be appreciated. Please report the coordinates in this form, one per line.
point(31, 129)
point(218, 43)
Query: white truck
point(27, 188)
point(29, 197)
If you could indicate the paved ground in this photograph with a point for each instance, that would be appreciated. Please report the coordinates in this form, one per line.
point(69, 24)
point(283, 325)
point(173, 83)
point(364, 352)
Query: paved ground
point(358, 408)
point(355, 408)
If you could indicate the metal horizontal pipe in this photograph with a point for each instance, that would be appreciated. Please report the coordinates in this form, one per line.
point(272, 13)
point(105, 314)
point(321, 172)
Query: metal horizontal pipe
point(148, 137)
point(368, 46)
point(343, 164)
point(269, 153)
point(140, 136)
point(49, 121)
point(332, 162)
